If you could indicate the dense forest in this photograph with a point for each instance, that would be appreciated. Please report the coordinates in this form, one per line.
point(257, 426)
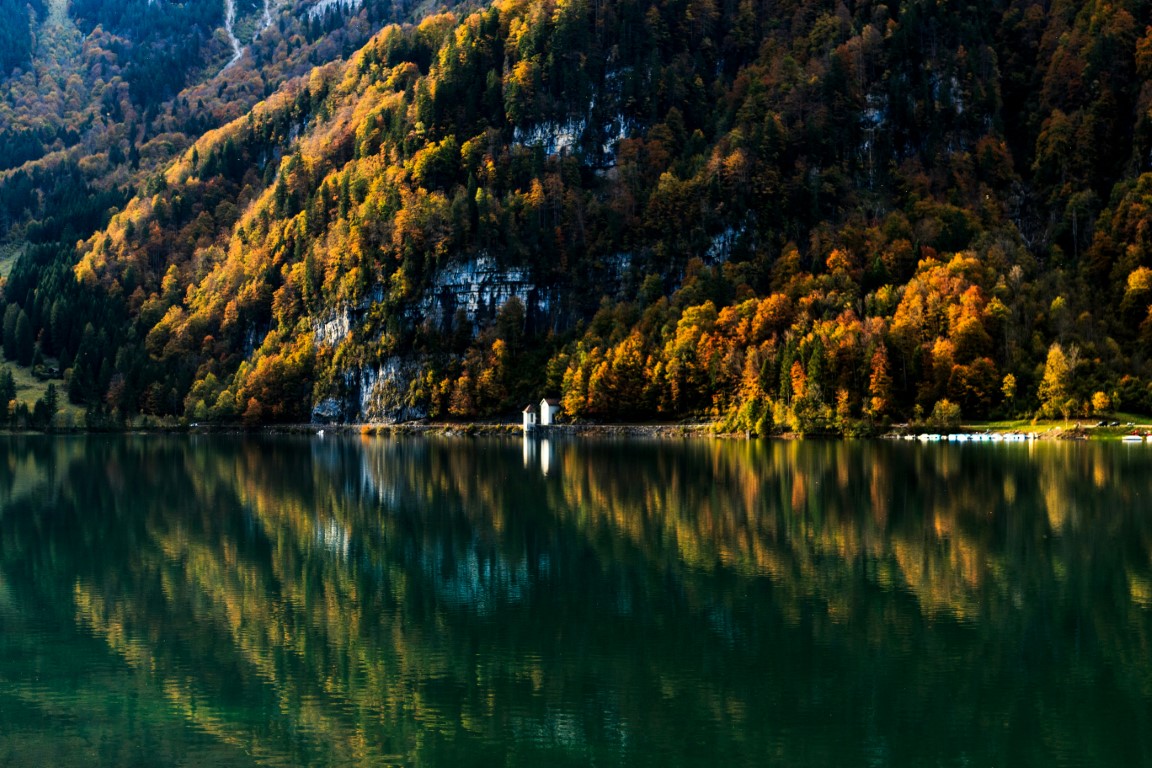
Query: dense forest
point(808, 216)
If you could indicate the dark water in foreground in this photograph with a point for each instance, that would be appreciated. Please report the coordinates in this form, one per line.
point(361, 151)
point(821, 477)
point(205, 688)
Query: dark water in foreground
point(225, 602)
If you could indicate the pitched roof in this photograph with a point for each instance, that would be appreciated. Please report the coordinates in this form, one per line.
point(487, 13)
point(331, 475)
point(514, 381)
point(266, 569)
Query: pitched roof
point(552, 401)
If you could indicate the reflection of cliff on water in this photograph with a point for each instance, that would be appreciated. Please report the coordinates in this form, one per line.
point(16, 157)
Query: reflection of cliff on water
point(431, 602)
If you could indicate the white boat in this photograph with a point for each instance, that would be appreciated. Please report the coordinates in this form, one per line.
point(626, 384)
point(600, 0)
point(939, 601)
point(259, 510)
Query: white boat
point(1132, 439)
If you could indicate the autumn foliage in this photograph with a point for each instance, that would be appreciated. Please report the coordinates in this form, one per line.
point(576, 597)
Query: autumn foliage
point(805, 217)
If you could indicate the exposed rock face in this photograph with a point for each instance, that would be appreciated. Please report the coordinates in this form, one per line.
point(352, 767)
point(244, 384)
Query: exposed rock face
point(339, 322)
point(383, 391)
point(332, 331)
point(555, 138)
point(372, 393)
point(596, 142)
point(478, 288)
point(330, 410)
point(324, 6)
point(720, 249)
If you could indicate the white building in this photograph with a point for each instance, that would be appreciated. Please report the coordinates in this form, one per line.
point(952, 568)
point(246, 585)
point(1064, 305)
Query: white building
point(530, 416)
point(549, 409)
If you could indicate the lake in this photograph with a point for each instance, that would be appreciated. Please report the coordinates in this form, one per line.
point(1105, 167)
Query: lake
point(212, 600)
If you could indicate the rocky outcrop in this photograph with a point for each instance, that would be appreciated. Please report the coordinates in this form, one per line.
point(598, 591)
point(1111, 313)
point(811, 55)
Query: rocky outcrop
point(335, 326)
point(478, 288)
point(376, 394)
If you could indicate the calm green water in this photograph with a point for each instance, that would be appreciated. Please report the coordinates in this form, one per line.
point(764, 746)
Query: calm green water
point(227, 602)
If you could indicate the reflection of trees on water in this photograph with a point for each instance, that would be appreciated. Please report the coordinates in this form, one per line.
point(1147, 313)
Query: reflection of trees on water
point(418, 601)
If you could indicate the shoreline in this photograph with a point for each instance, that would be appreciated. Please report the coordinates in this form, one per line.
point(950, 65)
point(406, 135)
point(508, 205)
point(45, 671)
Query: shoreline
point(690, 430)
point(684, 430)
point(697, 430)
point(489, 429)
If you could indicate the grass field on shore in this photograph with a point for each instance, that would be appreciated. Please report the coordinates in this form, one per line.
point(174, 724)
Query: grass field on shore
point(29, 389)
point(1127, 423)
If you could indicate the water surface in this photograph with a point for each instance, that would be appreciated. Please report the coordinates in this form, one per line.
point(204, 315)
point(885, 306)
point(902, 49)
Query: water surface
point(421, 602)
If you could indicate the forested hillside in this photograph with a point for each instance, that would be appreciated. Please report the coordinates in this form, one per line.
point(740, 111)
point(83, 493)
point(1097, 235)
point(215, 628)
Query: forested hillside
point(96, 93)
point(811, 216)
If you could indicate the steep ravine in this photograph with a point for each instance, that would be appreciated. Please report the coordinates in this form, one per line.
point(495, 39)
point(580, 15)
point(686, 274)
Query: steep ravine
point(229, 23)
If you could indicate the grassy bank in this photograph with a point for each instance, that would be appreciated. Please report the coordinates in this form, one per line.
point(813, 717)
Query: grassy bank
point(1125, 424)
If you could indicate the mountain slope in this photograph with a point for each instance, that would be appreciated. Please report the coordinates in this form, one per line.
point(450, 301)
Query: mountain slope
point(110, 90)
point(805, 215)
